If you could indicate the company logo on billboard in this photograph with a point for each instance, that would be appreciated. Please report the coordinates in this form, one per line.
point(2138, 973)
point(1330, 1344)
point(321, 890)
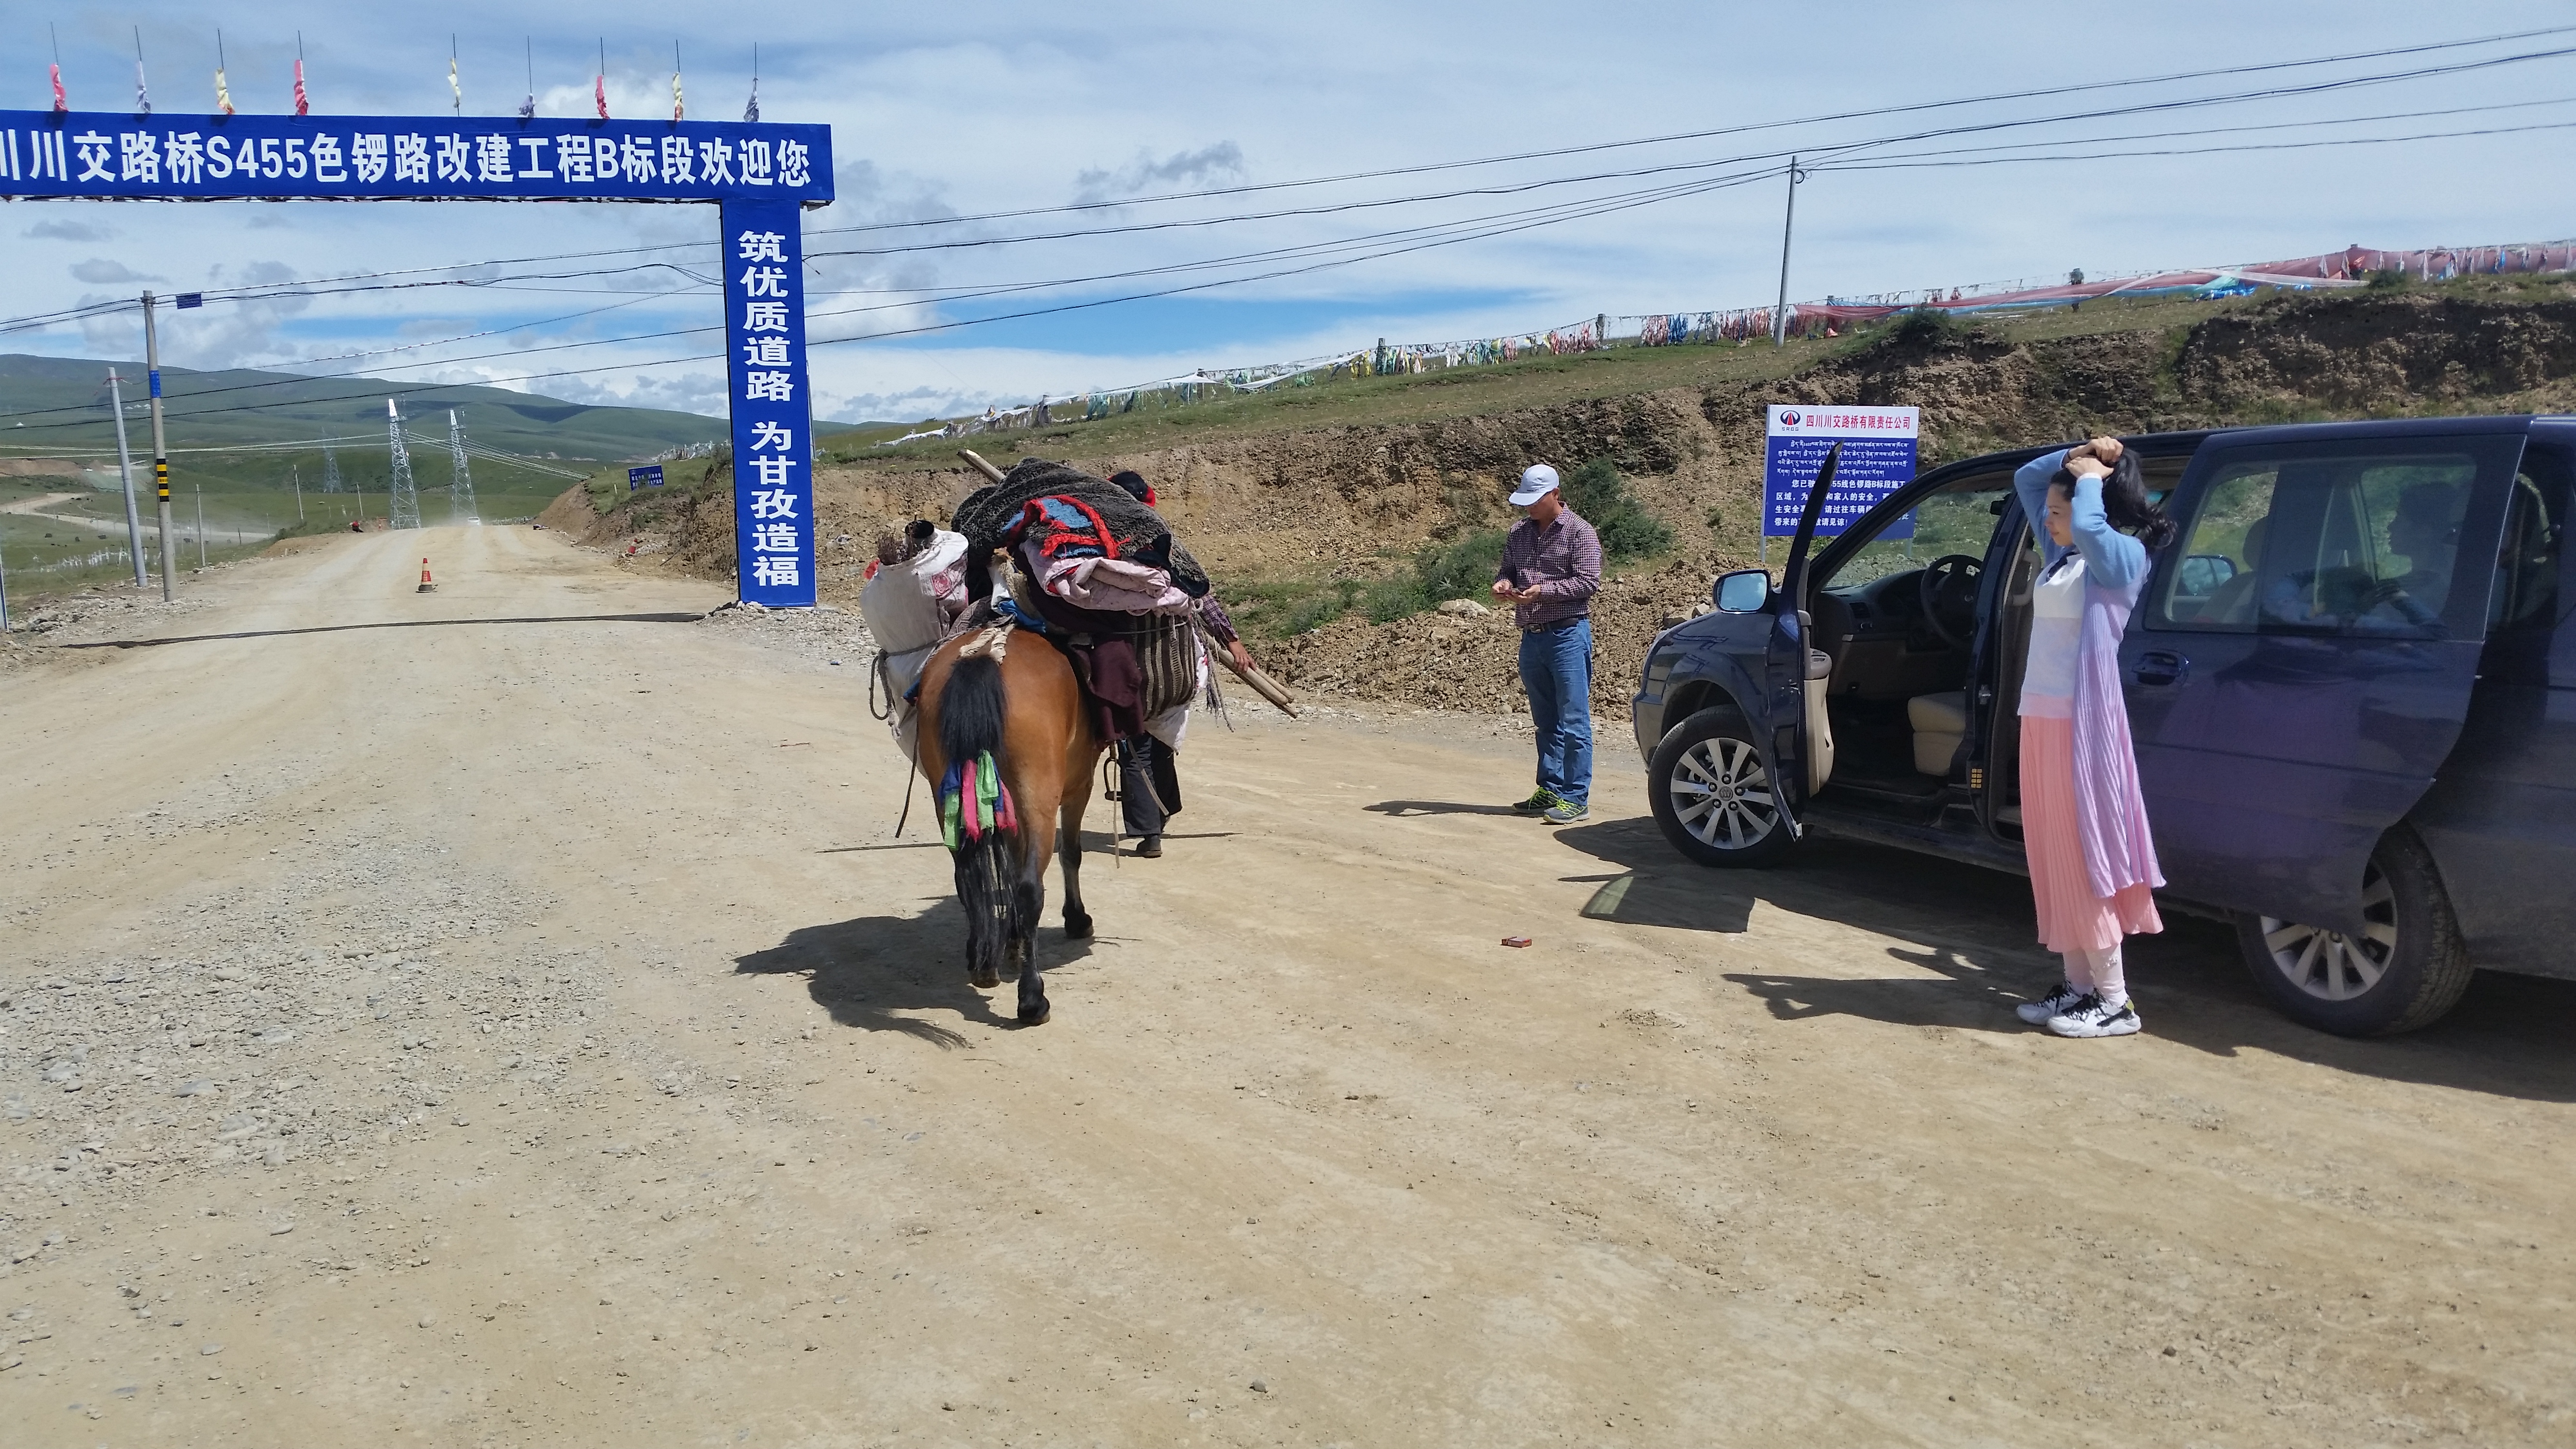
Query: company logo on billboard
point(1788, 417)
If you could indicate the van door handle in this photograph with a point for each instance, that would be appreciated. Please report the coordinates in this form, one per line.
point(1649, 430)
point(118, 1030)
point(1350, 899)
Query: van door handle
point(2160, 667)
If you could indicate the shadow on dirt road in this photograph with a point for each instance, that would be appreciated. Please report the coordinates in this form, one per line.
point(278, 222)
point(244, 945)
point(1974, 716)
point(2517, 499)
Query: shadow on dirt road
point(872, 972)
point(2509, 1036)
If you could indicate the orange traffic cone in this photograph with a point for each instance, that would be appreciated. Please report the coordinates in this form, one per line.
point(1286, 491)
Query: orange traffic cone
point(426, 586)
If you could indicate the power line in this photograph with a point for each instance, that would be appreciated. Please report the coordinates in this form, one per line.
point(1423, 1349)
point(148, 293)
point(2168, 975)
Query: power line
point(1462, 232)
point(2426, 48)
point(1570, 210)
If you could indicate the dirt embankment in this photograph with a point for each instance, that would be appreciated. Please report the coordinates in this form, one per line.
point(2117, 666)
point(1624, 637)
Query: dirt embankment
point(1347, 500)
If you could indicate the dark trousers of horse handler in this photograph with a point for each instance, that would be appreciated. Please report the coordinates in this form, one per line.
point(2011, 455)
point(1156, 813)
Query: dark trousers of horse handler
point(1551, 569)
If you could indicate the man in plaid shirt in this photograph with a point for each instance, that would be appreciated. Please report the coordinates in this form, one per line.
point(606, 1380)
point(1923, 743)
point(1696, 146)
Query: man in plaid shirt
point(1551, 569)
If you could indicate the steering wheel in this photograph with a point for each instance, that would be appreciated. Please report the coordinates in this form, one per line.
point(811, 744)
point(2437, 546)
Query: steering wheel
point(1948, 588)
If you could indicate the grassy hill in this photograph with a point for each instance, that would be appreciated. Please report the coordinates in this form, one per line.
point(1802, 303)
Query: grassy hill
point(54, 403)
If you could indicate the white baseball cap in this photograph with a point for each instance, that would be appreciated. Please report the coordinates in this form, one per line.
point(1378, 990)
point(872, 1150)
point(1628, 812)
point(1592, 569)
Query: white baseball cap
point(1536, 480)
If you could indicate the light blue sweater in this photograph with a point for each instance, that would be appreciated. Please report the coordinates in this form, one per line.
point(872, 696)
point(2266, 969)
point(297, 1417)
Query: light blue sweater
point(2112, 559)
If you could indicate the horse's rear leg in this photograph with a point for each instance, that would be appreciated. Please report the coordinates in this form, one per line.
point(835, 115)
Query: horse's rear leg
point(1077, 798)
point(984, 890)
point(1028, 905)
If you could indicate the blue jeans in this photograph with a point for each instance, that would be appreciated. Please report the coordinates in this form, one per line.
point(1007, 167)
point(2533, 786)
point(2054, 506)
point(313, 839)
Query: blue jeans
point(1556, 668)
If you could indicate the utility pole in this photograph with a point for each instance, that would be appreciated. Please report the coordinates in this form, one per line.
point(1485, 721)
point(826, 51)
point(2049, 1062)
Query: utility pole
point(160, 456)
point(460, 494)
point(402, 505)
point(125, 469)
point(297, 478)
point(1780, 313)
point(200, 485)
point(4, 597)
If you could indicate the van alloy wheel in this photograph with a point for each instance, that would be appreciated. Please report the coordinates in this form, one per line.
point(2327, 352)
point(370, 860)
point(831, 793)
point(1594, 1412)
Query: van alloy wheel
point(2402, 970)
point(1722, 795)
point(2330, 965)
point(1712, 796)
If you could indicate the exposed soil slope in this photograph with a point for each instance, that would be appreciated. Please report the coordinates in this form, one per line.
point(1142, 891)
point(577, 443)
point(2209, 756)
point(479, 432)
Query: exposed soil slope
point(1353, 500)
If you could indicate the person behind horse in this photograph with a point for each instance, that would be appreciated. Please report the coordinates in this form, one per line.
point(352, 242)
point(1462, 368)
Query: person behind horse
point(1149, 781)
point(915, 592)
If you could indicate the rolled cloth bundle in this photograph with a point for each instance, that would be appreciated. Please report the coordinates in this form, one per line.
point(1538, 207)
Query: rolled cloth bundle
point(1141, 535)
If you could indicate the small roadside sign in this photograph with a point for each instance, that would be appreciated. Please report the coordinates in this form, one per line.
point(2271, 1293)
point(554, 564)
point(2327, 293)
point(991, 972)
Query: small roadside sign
point(647, 477)
point(1878, 459)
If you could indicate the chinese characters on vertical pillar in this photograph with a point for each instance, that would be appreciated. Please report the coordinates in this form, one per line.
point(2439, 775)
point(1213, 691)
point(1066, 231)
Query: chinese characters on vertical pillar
point(773, 445)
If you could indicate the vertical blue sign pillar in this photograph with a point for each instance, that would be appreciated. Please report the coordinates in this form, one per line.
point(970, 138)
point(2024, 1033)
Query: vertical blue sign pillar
point(773, 443)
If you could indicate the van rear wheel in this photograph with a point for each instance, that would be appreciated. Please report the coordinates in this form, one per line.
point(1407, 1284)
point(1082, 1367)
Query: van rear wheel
point(2405, 969)
point(1713, 798)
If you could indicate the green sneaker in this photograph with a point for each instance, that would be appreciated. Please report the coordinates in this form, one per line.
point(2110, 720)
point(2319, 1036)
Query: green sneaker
point(1539, 803)
point(1566, 812)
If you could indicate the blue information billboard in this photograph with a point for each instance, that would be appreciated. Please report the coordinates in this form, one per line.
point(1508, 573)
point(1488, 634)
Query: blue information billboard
point(1878, 459)
point(111, 157)
point(760, 175)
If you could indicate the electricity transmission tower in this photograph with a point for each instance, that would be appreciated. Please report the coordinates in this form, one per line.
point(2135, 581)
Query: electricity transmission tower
point(331, 473)
point(402, 509)
point(462, 493)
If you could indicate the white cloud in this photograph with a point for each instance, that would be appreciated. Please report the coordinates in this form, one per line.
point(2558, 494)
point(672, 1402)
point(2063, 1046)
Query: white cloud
point(101, 272)
point(1207, 166)
point(986, 106)
point(66, 229)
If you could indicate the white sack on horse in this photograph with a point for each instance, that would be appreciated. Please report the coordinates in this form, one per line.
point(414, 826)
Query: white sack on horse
point(909, 606)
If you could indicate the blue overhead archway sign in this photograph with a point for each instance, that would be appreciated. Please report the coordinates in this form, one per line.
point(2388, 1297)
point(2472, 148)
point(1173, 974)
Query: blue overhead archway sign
point(759, 175)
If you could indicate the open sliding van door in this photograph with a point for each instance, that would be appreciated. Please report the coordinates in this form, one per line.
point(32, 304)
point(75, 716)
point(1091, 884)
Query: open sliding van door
point(2289, 713)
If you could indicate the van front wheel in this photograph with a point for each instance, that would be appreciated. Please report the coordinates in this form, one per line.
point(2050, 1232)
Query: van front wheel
point(2403, 971)
point(1713, 797)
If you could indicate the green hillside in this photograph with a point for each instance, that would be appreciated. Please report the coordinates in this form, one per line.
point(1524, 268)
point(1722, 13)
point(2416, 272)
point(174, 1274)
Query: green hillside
point(49, 404)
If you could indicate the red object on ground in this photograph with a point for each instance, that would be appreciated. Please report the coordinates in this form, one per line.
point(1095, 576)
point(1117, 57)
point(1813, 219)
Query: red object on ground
point(426, 587)
point(1516, 940)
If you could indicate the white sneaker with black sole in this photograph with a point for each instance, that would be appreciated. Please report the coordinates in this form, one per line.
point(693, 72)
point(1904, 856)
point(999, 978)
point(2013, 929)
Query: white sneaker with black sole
point(2094, 1017)
point(2064, 997)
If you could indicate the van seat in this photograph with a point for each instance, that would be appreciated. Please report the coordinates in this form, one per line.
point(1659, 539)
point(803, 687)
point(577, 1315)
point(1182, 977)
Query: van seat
point(1940, 722)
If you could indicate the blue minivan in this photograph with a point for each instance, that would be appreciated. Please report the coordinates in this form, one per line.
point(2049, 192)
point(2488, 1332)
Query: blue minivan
point(2351, 683)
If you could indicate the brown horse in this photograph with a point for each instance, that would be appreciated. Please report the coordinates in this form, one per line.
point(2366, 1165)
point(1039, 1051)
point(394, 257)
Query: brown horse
point(1025, 709)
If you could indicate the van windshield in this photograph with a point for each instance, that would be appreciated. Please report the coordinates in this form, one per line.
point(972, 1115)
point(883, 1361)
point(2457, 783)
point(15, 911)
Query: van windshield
point(1959, 518)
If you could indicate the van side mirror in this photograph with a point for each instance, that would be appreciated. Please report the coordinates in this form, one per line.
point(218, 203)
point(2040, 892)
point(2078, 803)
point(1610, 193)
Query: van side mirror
point(1746, 591)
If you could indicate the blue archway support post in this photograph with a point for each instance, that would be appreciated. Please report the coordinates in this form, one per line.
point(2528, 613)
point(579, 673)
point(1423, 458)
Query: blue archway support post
point(760, 175)
point(773, 412)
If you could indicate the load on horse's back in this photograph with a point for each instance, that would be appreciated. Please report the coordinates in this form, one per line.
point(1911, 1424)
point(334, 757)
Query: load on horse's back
point(1016, 709)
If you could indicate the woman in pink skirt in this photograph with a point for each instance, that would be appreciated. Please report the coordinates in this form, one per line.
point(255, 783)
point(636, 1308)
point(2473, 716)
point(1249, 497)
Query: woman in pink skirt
point(2084, 825)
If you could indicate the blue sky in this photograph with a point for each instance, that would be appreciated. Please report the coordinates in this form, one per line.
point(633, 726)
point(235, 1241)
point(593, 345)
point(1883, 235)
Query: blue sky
point(972, 108)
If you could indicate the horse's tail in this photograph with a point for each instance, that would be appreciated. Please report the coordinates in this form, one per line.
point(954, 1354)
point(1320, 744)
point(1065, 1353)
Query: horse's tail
point(976, 813)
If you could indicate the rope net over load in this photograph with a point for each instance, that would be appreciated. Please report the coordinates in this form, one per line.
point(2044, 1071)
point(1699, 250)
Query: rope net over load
point(1137, 532)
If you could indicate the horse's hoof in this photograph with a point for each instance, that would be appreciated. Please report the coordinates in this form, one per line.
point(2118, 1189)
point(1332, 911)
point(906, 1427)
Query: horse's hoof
point(987, 980)
point(1044, 1012)
point(1077, 928)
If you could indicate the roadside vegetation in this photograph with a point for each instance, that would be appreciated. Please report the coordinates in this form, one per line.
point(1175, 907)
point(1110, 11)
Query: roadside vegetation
point(1460, 567)
point(1543, 379)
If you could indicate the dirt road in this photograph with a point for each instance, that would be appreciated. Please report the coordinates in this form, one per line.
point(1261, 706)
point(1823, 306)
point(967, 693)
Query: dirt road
point(500, 1016)
point(37, 508)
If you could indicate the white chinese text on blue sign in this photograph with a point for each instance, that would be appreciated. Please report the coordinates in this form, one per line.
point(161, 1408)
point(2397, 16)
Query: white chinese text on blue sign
point(1877, 460)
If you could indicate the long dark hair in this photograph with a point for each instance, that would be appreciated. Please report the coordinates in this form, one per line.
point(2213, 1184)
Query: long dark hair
point(2125, 502)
